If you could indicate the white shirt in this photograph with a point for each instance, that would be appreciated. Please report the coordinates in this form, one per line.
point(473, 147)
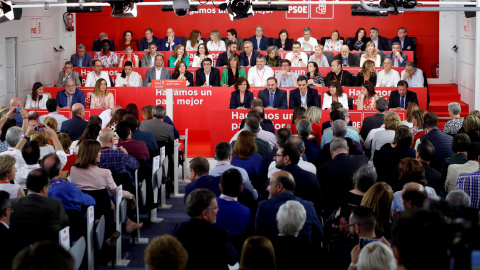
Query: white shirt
point(303, 99)
point(305, 165)
point(377, 60)
point(262, 134)
point(215, 47)
point(41, 104)
point(311, 43)
point(158, 73)
point(17, 154)
point(327, 101)
point(296, 62)
point(45, 150)
point(389, 80)
point(370, 135)
point(60, 118)
point(92, 78)
point(197, 61)
point(134, 80)
point(259, 77)
point(381, 138)
point(207, 77)
point(329, 46)
point(189, 45)
point(416, 80)
point(22, 173)
point(105, 116)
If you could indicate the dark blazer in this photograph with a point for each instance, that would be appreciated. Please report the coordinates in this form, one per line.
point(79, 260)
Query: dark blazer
point(279, 99)
point(214, 79)
point(38, 217)
point(434, 179)
point(382, 43)
point(353, 59)
point(371, 122)
point(406, 42)
point(144, 43)
point(264, 43)
point(394, 101)
point(313, 99)
point(150, 75)
point(312, 151)
point(78, 97)
point(402, 64)
point(13, 242)
point(235, 99)
point(443, 147)
point(266, 125)
point(288, 44)
point(188, 75)
point(74, 127)
point(205, 181)
point(86, 60)
point(346, 78)
point(335, 178)
point(352, 43)
point(244, 59)
point(222, 60)
point(98, 47)
point(360, 80)
point(166, 46)
point(306, 186)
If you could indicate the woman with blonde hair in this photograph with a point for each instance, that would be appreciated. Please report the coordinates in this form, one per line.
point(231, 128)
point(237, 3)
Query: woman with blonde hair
point(101, 97)
point(245, 153)
point(194, 40)
point(471, 126)
point(258, 253)
point(391, 122)
point(314, 114)
point(417, 122)
point(216, 43)
point(179, 54)
point(408, 117)
point(367, 74)
point(7, 174)
point(318, 57)
point(371, 53)
point(273, 60)
point(147, 112)
point(379, 197)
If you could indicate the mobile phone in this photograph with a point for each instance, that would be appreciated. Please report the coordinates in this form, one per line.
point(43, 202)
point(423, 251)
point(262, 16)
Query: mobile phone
point(364, 241)
point(17, 110)
point(40, 128)
point(475, 259)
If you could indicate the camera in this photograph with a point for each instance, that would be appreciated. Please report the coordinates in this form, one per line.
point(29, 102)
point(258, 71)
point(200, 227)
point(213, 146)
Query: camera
point(17, 110)
point(364, 241)
point(40, 128)
point(181, 7)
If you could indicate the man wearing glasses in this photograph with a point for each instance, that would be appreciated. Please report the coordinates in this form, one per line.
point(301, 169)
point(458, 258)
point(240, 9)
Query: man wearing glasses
point(68, 73)
point(404, 40)
point(81, 58)
point(413, 75)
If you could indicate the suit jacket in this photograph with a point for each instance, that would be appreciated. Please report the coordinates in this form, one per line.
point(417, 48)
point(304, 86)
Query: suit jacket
point(288, 44)
point(235, 99)
point(443, 147)
point(144, 43)
point(86, 60)
point(335, 178)
point(214, 78)
point(313, 99)
point(371, 122)
point(97, 46)
point(353, 59)
point(434, 179)
point(161, 130)
point(312, 151)
point(78, 97)
point(38, 217)
point(147, 60)
point(264, 43)
point(394, 101)
point(266, 125)
point(239, 43)
point(74, 76)
point(406, 42)
point(244, 59)
point(204, 181)
point(279, 99)
point(13, 242)
point(150, 75)
point(188, 76)
point(74, 127)
point(382, 44)
point(306, 186)
point(402, 64)
point(222, 59)
point(166, 47)
point(346, 78)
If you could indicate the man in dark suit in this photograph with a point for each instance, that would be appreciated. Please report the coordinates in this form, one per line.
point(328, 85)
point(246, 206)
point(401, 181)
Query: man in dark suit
point(380, 42)
point(248, 58)
point(441, 141)
point(75, 126)
point(12, 241)
point(158, 68)
point(81, 58)
point(232, 36)
point(162, 131)
point(205, 243)
point(335, 177)
point(169, 42)
point(310, 95)
point(259, 42)
point(374, 121)
point(347, 58)
point(207, 69)
point(272, 97)
point(399, 59)
point(71, 95)
point(36, 215)
point(344, 77)
point(405, 41)
point(222, 60)
point(199, 177)
point(149, 37)
point(399, 99)
point(97, 44)
point(425, 153)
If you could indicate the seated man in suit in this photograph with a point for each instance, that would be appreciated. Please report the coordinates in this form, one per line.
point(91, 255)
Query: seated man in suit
point(272, 97)
point(162, 131)
point(36, 215)
point(149, 38)
point(347, 58)
point(312, 150)
point(303, 96)
point(399, 59)
point(441, 141)
point(248, 58)
point(232, 36)
point(222, 59)
point(207, 75)
point(81, 58)
point(68, 73)
point(374, 121)
point(413, 75)
point(148, 59)
point(157, 72)
point(96, 74)
point(199, 177)
point(75, 126)
point(380, 42)
point(344, 77)
point(260, 42)
point(400, 98)
point(97, 43)
point(404, 40)
point(169, 42)
point(71, 95)
point(339, 130)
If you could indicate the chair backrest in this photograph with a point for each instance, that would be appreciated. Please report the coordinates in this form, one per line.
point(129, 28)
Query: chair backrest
point(78, 251)
point(183, 40)
point(350, 103)
point(414, 41)
point(329, 56)
point(270, 41)
point(102, 199)
point(349, 39)
point(123, 210)
point(389, 41)
point(323, 39)
point(100, 232)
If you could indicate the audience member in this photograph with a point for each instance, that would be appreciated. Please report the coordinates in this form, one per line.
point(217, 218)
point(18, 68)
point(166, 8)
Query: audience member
point(224, 57)
point(127, 41)
point(359, 42)
point(147, 137)
point(296, 57)
point(259, 41)
point(101, 97)
point(387, 77)
point(312, 150)
point(284, 136)
point(413, 75)
point(469, 182)
point(162, 131)
point(18, 116)
point(454, 170)
point(402, 97)
point(249, 56)
point(374, 121)
point(97, 44)
point(283, 43)
point(13, 137)
point(6, 123)
point(399, 59)
point(339, 130)
point(157, 72)
point(232, 36)
point(458, 197)
point(375, 256)
point(344, 77)
point(43, 255)
point(165, 252)
point(287, 78)
point(405, 41)
point(380, 42)
point(233, 72)
point(371, 53)
point(408, 117)
point(128, 77)
point(413, 196)
point(216, 44)
point(441, 141)
point(391, 123)
point(199, 177)
point(425, 153)
point(254, 77)
point(366, 74)
point(303, 96)
point(273, 59)
point(81, 58)
point(108, 58)
point(179, 54)
point(148, 59)
point(241, 98)
point(307, 42)
point(314, 77)
point(181, 73)
point(453, 126)
point(68, 73)
point(207, 75)
point(334, 94)
point(37, 99)
point(136, 149)
point(118, 161)
point(246, 152)
point(379, 197)
point(273, 97)
point(318, 57)
point(7, 174)
point(328, 135)
point(170, 42)
point(52, 108)
point(314, 114)
point(471, 127)
point(129, 57)
point(346, 58)
point(334, 43)
point(147, 41)
point(258, 253)
point(75, 126)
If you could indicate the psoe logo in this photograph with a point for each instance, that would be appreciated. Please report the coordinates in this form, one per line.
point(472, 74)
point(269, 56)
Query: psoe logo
point(321, 11)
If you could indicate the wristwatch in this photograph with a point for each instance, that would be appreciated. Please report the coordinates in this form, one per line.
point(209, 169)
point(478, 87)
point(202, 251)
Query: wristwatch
point(25, 137)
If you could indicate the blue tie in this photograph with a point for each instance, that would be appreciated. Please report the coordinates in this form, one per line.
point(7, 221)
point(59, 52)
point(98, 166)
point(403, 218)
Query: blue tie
point(271, 99)
point(402, 102)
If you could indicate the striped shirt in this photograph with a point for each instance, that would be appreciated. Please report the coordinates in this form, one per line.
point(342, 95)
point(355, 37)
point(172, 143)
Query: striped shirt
point(470, 184)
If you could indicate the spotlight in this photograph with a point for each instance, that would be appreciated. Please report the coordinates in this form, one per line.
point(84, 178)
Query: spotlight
point(6, 11)
point(124, 8)
point(181, 7)
point(238, 9)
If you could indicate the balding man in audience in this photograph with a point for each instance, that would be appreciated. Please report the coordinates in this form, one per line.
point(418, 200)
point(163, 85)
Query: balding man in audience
point(17, 103)
point(75, 126)
point(162, 131)
point(118, 161)
point(70, 96)
point(387, 77)
point(346, 58)
point(199, 177)
point(248, 57)
point(52, 108)
point(413, 196)
point(298, 143)
point(344, 77)
point(169, 42)
point(96, 74)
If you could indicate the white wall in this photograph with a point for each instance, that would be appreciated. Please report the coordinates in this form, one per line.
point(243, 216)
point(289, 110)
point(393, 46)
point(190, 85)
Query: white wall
point(465, 58)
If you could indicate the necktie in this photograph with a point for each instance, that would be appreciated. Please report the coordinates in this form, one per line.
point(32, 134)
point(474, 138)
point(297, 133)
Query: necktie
point(345, 61)
point(402, 102)
point(271, 100)
point(396, 62)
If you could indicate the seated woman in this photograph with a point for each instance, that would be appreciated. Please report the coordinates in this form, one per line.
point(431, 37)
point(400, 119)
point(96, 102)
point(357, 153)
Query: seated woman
point(194, 40)
point(127, 41)
point(359, 42)
point(371, 53)
point(129, 57)
point(101, 98)
point(408, 117)
point(314, 77)
point(314, 114)
point(417, 122)
point(385, 136)
point(366, 99)
point(283, 43)
point(181, 73)
point(334, 94)
point(334, 43)
point(471, 126)
point(233, 72)
point(202, 53)
point(7, 174)
point(245, 153)
point(216, 43)
point(241, 97)
point(128, 77)
point(273, 60)
point(379, 197)
point(43, 141)
point(318, 57)
point(367, 74)
point(91, 133)
point(179, 54)
point(37, 99)
point(453, 126)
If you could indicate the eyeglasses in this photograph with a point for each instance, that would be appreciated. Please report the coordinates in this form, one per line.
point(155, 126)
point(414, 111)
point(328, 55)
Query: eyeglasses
point(277, 155)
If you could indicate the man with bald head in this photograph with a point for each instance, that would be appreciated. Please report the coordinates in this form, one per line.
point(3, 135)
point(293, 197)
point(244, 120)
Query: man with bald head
point(388, 77)
point(170, 41)
point(413, 196)
point(71, 95)
point(280, 190)
point(75, 126)
point(108, 114)
point(116, 160)
point(347, 58)
point(17, 103)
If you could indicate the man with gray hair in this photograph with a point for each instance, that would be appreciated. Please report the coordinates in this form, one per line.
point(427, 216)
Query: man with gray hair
point(162, 131)
point(263, 144)
point(374, 121)
point(291, 217)
point(300, 145)
point(312, 150)
point(81, 58)
point(70, 95)
point(68, 73)
point(14, 135)
point(339, 130)
point(452, 127)
point(413, 75)
point(307, 41)
point(75, 126)
point(458, 197)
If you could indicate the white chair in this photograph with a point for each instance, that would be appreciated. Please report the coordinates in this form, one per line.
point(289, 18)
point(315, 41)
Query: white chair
point(78, 251)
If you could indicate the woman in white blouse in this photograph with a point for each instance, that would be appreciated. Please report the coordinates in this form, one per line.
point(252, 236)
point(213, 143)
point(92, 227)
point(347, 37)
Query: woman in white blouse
point(318, 57)
point(37, 99)
point(334, 94)
point(202, 53)
point(334, 43)
point(216, 43)
point(371, 54)
point(128, 78)
point(194, 40)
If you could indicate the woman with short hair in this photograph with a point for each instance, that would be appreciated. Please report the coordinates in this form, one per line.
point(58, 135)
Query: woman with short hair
point(245, 153)
point(371, 53)
point(181, 73)
point(241, 98)
point(334, 94)
point(233, 72)
point(202, 53)
point(453, 126)
point(273, 60)
point(7, 174)
point(318, 57)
